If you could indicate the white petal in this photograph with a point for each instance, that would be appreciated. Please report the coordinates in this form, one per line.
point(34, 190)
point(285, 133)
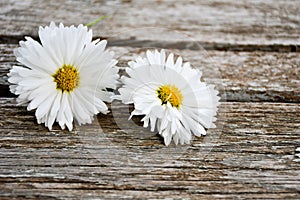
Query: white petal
point(44, 108)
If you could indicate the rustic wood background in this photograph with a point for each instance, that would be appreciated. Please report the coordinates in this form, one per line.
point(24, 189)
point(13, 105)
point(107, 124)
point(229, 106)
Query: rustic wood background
point(252, 54)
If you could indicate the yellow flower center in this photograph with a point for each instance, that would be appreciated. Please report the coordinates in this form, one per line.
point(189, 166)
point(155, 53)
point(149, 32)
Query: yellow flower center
point(171, 94)
point(66, 78)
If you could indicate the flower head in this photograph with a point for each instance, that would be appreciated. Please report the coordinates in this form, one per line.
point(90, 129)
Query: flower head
point(65, 77)
point(170, 95)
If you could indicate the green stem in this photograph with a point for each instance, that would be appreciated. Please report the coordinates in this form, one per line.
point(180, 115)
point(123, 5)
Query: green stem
point(92, 23)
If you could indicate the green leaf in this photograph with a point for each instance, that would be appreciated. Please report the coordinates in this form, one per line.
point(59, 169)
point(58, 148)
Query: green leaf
point(92, 23)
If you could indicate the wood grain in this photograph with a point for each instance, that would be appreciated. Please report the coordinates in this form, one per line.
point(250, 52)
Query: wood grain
point(248, 48)
point(242, 23)
point(251, 154)
point(239, 76)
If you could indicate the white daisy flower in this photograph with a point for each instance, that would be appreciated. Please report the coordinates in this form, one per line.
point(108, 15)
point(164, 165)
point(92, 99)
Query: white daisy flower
point(170, 95)
point(65, 77)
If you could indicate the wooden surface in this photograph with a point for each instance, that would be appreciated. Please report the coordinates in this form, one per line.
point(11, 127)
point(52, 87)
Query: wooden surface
point(249, 49)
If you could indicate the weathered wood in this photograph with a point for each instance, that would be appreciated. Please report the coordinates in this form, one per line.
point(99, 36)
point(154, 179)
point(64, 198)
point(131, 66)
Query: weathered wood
point(240, 76)
point(265, 25)
point(252, 155)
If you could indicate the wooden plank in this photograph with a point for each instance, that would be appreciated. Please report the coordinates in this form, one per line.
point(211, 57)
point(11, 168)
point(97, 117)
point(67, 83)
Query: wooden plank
point(247, 24)
point(240, 76)
point(251, 154)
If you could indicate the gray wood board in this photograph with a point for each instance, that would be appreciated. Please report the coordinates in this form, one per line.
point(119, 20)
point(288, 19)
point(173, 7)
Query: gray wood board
point(240, 76)
point(253, 155)
point(230, 25)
